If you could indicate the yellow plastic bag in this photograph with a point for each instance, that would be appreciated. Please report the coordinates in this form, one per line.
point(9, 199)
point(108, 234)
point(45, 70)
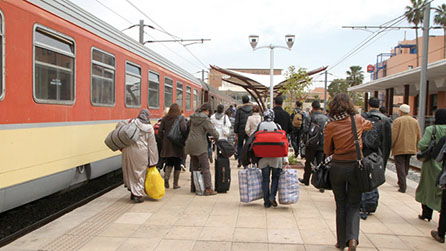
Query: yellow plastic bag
point(154, 184)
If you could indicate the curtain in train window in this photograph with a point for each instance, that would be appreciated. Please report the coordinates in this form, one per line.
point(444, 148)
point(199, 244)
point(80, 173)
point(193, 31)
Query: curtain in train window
point(154, 90)
point(179, 100)
point(132, 85)
point(195, 99)
point(168, 92)
point(188, 98)
point(54, 68)
point(102, 78)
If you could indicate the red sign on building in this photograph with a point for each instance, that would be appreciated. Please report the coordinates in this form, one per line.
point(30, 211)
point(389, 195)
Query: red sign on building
point(370, 68)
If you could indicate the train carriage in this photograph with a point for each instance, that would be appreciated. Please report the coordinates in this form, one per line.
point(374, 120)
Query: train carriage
point(67, 78)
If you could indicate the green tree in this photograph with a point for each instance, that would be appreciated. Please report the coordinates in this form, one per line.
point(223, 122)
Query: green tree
point(295, 87)
point(355, 76)
point(414, 14)
point(336, 86)
point(440, 19)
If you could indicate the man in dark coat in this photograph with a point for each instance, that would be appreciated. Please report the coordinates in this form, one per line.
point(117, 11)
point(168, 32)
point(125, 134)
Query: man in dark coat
point(282, 117)
point(241, 116)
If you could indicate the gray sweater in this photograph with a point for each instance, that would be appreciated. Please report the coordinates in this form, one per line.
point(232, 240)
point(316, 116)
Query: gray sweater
point(196, 143)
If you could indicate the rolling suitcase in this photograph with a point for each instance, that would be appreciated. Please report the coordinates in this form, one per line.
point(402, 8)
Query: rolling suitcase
point(369, 203)
point(222, 174)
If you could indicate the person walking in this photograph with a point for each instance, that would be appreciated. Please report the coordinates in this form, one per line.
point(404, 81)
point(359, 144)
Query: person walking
point(241, 116)
point(197, 146)
point(271, 167)
point(428, 193)
point(339, 141)
point(282, 117)
point(253, 121)
point(136, 157)
point(172, 152)
point(221, 123)
point(405, 135)
point(297, 118)
point(315, 145)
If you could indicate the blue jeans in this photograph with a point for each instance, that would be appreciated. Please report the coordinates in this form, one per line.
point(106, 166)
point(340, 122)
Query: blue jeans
point(267, 195)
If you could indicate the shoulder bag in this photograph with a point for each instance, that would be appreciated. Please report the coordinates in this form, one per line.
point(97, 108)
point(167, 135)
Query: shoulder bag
point(427, 153)
point(226, 129)
point(175, 135)
point(321, 175)
point(370, 171)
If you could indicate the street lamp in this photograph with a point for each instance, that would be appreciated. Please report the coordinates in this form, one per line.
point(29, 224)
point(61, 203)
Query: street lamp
point(254, 39)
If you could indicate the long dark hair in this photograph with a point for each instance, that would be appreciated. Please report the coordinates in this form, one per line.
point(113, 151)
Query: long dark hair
point(341, 103)
point(174, 111)
point(440, 117)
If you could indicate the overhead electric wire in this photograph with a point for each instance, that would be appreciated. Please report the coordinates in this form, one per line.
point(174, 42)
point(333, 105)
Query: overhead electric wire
point(128, 21)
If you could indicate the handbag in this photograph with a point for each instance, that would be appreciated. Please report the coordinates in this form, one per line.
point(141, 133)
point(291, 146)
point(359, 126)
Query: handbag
point(225, 129)
point(321, 175)
point(427, 153)
point(369, 171)
point(175, 135)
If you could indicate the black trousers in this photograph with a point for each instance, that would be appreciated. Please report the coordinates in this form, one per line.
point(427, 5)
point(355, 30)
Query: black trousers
point(310, 156)
point(295, 141)
point(442, 221)
point(175, 162)
point(348, 199)
point(402, 169)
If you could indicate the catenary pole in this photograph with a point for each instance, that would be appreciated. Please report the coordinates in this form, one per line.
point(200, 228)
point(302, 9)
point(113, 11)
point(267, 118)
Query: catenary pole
point(271, 76)
point(141, 31)
point(325, 93)
point(424, 61)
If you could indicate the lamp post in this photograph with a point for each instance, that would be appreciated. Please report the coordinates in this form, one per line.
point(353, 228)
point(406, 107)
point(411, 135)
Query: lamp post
point(254, 39)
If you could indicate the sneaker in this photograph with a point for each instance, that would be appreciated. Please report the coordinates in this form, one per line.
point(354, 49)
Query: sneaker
point(183, 168)
point(421, 217)
point(436, 236)
point(209, 192)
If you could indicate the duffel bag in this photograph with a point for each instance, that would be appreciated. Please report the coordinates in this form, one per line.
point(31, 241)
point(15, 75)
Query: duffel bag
point(270, 144)
point(288, 187)
point(250, 184)
point(226, 148)
point(122, 136)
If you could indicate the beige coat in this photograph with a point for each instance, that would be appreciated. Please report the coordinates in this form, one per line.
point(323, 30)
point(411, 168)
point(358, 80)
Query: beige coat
point(135, 158)
point(252, 123)
point(405, 135)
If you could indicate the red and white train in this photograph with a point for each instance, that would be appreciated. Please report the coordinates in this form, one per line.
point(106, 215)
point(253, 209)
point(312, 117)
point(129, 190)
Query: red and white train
point(66, 79)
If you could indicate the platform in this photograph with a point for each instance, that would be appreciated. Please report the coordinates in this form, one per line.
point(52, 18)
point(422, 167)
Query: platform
point(183, 221)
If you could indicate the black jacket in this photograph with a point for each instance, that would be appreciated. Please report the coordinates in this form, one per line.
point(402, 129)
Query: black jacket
point(283, 118)
point(386, 144)
point(241, 116)
point(321, 119)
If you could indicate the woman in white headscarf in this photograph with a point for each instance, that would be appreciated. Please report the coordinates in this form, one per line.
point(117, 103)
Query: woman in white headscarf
point(136, 157)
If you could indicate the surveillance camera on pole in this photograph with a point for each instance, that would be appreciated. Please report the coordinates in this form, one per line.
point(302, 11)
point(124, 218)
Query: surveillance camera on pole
point(253, 40)
point(289, 40)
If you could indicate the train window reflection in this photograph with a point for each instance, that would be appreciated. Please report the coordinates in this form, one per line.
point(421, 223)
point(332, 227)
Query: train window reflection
point(195, 99)
point(132, 85)
point(102, 78)
point(179, 94)
point(154, 90)
point(168, 92)
point(188, 98)
point(54, 56)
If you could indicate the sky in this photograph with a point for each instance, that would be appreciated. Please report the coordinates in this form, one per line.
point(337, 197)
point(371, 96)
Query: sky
point(317, 25)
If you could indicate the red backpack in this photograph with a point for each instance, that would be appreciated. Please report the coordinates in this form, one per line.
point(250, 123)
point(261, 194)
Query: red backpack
point(270, 144)
point(156, 127)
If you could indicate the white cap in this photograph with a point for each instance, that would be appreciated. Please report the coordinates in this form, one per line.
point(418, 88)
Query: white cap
point(405, 108)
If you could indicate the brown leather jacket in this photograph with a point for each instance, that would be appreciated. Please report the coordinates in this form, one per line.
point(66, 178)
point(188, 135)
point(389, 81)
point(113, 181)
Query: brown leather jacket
point(339, 139)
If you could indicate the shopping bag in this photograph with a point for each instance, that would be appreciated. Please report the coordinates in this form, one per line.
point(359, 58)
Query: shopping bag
point(250, 184)
point(198, 182)
point(288, 187)
point(154, 184)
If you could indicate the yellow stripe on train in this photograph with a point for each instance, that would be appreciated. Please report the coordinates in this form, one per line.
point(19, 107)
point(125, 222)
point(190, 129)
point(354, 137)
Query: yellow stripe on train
point(31, 153)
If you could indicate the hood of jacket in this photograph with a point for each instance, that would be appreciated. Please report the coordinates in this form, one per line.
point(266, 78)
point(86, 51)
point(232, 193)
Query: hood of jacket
point(247, 108)
point(218, 116)
point(142, 126)
point(198, 118)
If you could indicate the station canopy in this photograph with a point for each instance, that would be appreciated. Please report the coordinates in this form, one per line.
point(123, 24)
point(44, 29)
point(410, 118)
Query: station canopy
point(257, 85)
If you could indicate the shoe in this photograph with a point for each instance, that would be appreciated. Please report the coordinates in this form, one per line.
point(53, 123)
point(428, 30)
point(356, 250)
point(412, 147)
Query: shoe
point(183, 168)
point(338, 246)
point(239, 165)
point(352, 244)
point(401, 190)
point(322, 190)
point(363, 215)
point(137, 199)
point(437, 237)
point(132, 197)
point(421, 217)
point(303, 182)
point(209, 191)
point(267, 205)
point(273, 203)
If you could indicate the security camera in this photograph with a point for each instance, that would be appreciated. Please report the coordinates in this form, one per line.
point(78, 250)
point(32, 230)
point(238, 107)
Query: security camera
point(289, 39)
point(253, 40)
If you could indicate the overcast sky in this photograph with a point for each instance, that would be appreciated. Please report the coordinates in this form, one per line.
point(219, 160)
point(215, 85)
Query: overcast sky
point(317, 25)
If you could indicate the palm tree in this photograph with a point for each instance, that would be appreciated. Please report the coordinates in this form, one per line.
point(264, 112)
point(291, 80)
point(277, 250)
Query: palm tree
point(440, 19)
point(355, 76)
point(414, 14)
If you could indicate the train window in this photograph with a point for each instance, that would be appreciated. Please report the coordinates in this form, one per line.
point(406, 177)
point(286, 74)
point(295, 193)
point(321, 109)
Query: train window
point(154, 90)
point(132, 85)
point(195, 99)
point(54, 78)
point(179, 100)
point(102, 78)
point(188, 98)
point(168, 92)
point(2, 45)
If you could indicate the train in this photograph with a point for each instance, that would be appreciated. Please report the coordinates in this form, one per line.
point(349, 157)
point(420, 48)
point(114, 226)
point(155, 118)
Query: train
point(67, 79)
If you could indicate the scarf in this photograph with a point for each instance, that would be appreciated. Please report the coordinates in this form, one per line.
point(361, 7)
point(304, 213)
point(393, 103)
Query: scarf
point(339, 116)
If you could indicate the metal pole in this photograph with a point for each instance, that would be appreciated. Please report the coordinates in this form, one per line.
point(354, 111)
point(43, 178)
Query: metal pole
point(423, 77)
point(141, 31)
point(271, 73)
point(325, 93)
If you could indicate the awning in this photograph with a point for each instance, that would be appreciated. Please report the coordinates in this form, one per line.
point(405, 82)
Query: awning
point(436, 75)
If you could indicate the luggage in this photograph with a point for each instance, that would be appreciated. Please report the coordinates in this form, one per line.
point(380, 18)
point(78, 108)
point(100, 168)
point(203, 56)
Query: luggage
point(175, 135)
point(250, 184)
point(288, 187)
point(321, 175)
point(198, 182)
point(154, 184)
point(222, 174)
point(270, 144)
point(125, 134)
point(369, 201)
point(226, 148)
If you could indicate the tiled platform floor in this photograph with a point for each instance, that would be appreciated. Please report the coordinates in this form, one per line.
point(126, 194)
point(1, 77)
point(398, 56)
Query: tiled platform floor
point(183, 221)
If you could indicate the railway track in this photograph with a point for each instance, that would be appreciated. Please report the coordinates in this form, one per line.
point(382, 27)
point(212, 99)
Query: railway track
point(16, 215)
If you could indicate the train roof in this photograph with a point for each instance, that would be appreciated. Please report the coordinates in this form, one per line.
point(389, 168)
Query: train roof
point(78, 16)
